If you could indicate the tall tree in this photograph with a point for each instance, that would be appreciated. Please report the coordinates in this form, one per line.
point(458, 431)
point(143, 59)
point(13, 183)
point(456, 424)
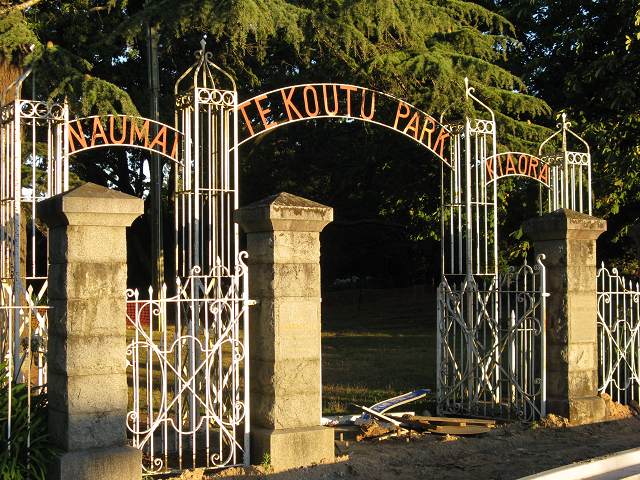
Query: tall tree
point(583, 58)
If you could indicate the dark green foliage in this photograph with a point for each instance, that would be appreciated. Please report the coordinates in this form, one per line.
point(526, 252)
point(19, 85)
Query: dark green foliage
point(583, 58)
point(27, 451)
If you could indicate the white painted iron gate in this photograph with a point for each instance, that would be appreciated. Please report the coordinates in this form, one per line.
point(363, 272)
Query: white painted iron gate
point(188, 351)
point(618, 336)
point(491, 326)
point(188, 361)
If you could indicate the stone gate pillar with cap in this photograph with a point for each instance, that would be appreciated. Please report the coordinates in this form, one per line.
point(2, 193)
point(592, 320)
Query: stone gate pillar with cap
point(283, 242)
point(568, 241)
point(87, 386)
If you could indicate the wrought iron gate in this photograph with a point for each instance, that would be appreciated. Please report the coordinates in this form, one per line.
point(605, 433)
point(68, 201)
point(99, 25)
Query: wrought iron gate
point(188, 359)
point(491, 327)
point(189, 365)
point(618, 336)
point(32, 168)
point(491, 356)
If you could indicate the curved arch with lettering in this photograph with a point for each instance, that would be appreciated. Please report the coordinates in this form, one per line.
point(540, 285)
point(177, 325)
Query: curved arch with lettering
point(511, 164)
point(332, 100)
point(134, 132)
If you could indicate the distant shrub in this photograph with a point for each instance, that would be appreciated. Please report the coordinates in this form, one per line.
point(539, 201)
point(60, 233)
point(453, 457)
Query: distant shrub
point(22, 457)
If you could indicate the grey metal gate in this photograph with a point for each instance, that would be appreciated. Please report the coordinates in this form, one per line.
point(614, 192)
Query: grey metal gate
point(491, 356)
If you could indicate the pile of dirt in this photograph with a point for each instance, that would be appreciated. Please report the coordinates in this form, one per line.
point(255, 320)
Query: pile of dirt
point(552, 420)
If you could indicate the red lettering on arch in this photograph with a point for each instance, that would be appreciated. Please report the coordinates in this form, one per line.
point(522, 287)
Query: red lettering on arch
point(490, 171)
point(533, 164)
point(174, 149)
point(414, 124)
point(428, 121)
point(242, 108)
point(544, 174)
point(349, 89)
point(442, 135)
point(315, 99)
point(79, 136)
point(140, 134)
point(161, 139)
point(288, 104)
point(373, 106)
point(523, 171)
point(98, 132)
point(112, 129)
point(399, 115)
point(326, 100)
point(511, 168)
point(263, 112)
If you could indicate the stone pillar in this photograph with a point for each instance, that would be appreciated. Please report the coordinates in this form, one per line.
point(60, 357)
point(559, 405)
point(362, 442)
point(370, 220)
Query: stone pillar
point(283, 242)
point(568, 240)
point(87, 386)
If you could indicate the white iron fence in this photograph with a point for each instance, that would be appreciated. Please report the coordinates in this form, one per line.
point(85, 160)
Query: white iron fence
point(491, 356)
point(618, 339)
point(189, 372)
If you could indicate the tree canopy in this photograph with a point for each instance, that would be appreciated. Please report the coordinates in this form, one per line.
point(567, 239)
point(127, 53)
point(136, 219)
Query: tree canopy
point(583, 58)
point(94, 53)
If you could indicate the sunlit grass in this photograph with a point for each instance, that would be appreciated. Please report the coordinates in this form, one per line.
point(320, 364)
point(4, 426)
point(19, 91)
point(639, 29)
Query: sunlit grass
point(367, 356)
point(372, 355)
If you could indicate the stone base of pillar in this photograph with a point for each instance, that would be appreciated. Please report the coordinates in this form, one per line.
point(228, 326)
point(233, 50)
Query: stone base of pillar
point(579, 411)
point(121, 463)
point(292, 447)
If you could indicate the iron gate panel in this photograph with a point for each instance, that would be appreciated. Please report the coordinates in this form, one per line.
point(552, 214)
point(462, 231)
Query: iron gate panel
point(491, 345)
point(618, 336)
point(188, 366)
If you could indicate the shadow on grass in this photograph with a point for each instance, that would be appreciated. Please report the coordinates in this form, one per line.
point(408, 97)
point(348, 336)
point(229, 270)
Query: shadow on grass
point(372, 355)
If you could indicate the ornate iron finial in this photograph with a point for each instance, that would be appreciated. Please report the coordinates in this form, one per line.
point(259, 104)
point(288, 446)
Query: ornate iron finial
point(564, 125)
point(203, 71)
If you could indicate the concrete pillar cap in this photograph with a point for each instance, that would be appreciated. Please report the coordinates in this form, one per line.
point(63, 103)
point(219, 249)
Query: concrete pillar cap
point(90, 204)
point(284, 212)
point(564, 224)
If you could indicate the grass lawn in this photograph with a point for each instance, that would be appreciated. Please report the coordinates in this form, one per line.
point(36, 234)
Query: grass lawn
point(376, 354)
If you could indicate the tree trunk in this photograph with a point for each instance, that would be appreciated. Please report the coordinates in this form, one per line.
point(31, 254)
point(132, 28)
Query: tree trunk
point(9, 72)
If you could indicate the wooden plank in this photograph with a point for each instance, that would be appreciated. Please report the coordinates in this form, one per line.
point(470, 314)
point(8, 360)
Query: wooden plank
point(465, 430)
point(454, 421)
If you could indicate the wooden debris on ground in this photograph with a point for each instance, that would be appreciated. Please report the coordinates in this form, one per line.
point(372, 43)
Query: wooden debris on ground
point(438, 425)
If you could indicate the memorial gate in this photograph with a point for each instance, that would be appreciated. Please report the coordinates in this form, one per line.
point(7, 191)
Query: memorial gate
point(189, 342)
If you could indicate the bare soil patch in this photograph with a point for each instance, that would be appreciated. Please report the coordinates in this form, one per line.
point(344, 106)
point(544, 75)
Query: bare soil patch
point(507, 451)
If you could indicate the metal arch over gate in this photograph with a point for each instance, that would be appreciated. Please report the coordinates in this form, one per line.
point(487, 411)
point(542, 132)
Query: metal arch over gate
point(191, 346)
point(335, 100)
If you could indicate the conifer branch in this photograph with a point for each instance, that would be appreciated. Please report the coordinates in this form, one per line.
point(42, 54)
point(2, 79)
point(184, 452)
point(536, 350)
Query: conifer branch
point(19, 7)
